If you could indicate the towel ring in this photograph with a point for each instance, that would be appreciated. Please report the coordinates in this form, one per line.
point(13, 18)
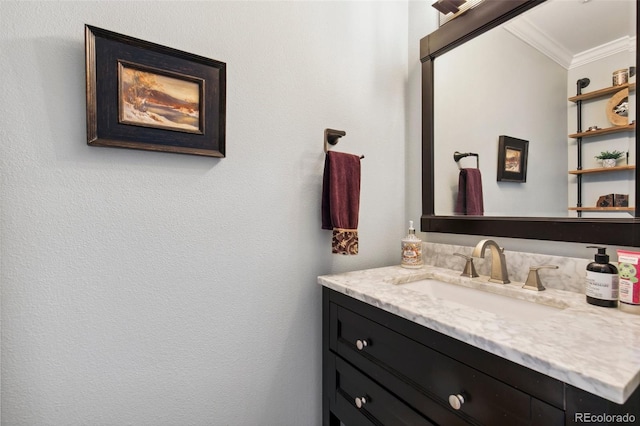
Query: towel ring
point(331, 137)
point(457, 156)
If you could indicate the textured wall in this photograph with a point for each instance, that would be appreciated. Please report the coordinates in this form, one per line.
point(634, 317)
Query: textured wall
point(160, 289)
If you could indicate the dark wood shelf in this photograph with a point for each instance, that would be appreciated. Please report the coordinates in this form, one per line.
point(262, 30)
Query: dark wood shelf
point(615, 129)
point(602, 92)
point(602, 170)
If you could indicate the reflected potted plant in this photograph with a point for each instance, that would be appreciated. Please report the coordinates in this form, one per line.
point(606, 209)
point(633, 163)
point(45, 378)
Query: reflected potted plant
point(609, 158)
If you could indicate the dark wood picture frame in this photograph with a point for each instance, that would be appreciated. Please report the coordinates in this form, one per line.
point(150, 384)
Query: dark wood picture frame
point(512, 159)
point(142, 95)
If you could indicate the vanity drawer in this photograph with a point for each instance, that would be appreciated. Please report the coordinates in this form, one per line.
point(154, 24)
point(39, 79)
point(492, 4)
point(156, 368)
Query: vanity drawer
point(360, 401)
point(404, 366)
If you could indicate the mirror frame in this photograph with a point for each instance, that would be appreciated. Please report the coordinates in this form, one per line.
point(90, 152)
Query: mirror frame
point(485, 16)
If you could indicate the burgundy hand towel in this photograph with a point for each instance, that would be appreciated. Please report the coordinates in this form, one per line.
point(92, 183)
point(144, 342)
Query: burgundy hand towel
point(470, 193)
point(341, 200)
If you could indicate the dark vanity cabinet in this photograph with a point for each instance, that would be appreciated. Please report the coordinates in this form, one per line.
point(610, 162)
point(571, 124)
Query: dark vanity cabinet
point(381, 369)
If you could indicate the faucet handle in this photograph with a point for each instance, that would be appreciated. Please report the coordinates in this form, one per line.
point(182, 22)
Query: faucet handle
point(533, 279)
point(469, 269)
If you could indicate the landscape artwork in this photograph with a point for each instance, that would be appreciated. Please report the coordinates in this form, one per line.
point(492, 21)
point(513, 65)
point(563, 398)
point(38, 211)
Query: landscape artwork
point(512, 160)
point(152, 99)
point(141, 95)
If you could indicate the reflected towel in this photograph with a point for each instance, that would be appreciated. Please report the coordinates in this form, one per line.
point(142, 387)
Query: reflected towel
point(470, 193)
point(341, 200)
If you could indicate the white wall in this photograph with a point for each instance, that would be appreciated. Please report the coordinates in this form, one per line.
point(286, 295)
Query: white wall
point(496, 85)
point(161, 289)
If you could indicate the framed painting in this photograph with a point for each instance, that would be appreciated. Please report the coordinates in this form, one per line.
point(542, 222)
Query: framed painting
point(512, 159)
point(141, 95)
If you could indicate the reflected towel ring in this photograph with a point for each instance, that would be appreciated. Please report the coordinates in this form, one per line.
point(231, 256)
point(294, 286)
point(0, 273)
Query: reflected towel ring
point(457, 156)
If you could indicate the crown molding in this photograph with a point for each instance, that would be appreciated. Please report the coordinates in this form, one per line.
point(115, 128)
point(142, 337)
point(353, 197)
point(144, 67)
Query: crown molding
point(623, 44)
point(531, 34)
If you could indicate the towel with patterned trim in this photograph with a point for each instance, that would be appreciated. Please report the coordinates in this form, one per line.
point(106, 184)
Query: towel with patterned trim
point(341, 200)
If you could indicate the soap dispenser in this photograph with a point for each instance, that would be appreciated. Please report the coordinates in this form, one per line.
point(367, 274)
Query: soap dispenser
point(602, 280)
point(411, 249)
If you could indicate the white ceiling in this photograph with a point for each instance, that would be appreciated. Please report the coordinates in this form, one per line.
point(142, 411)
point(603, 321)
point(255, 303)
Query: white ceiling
point(573, 32)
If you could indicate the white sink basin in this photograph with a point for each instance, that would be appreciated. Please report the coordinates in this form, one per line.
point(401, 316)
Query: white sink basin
point(498, 304)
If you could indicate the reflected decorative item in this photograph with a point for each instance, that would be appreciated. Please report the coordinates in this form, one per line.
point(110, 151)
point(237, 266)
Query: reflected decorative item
point(605, 201)
point(617, 108)
point(512, 159)
point(609, 158)
point(620, 200)
point(620, 77)
point(613, 200)
point(141, 95)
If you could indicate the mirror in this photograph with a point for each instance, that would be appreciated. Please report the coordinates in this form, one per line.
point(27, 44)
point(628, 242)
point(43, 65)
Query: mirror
point(522, 91)
point(460, 36)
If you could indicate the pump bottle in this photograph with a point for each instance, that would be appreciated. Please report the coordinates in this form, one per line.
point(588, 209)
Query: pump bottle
point(602, 280)
point(411, 249)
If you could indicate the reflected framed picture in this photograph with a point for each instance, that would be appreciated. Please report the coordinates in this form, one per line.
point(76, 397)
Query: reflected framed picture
point(512, 159)
point(142, 95)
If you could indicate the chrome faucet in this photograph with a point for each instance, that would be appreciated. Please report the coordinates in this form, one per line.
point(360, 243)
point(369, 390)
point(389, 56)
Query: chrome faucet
point(498, 263)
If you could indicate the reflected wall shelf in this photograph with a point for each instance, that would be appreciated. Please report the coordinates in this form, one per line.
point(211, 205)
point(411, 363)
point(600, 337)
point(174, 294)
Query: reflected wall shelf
point(602, 170)
point(579, 135)
point(602, 209)
point(602, 92)
point(615, 129)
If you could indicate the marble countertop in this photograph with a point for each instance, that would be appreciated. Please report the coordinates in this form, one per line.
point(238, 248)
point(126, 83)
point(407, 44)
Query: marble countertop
point(592, 348)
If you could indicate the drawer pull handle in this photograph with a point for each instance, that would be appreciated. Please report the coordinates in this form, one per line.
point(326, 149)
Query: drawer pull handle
point(361, 344)
point(456, 401)
point(360, 401)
